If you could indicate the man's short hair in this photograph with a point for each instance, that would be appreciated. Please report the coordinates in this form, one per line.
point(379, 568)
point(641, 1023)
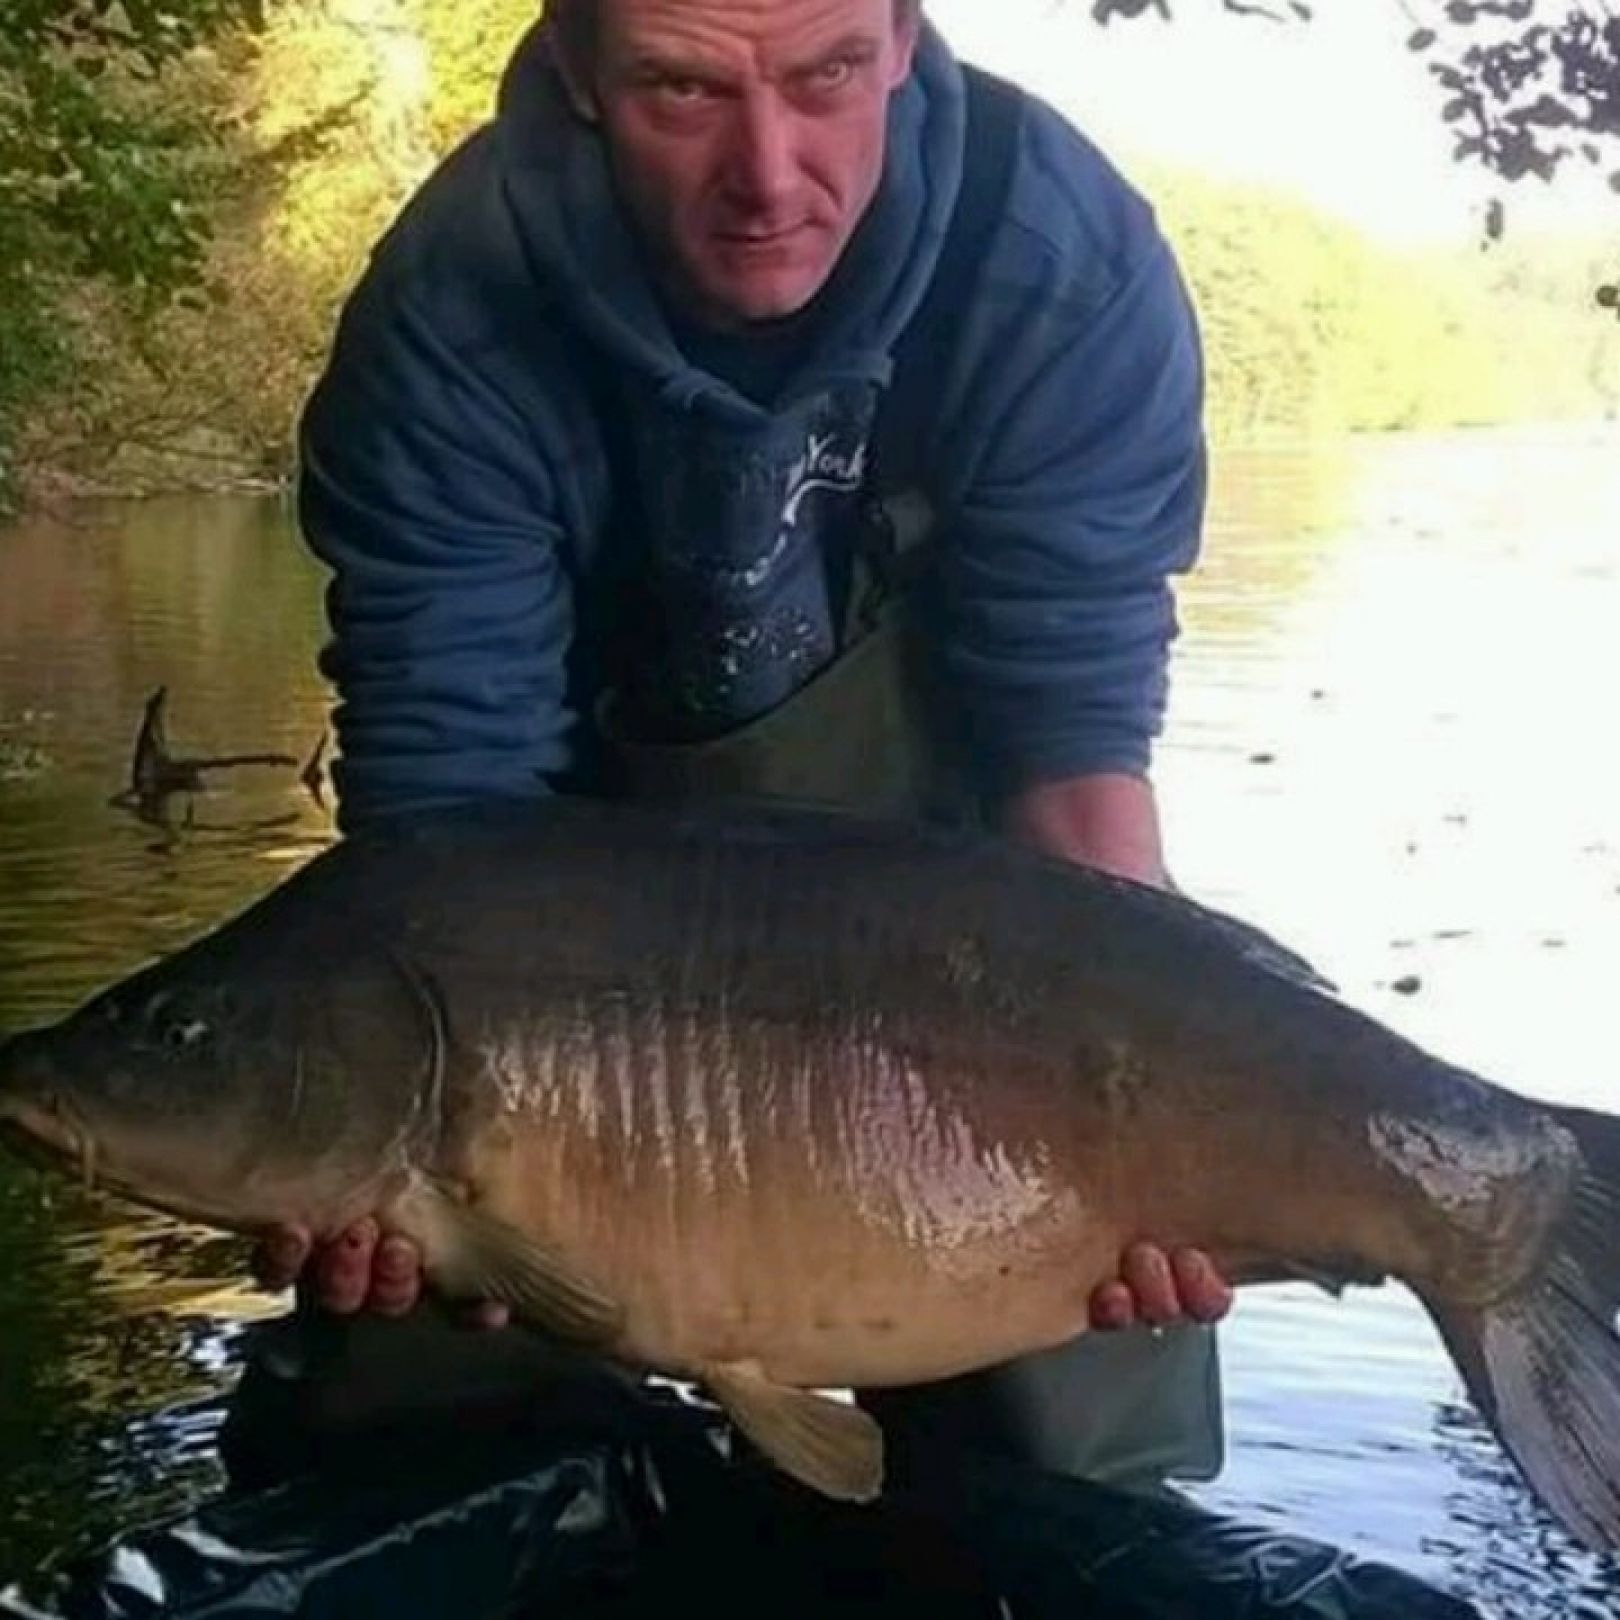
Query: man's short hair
point(575, 21)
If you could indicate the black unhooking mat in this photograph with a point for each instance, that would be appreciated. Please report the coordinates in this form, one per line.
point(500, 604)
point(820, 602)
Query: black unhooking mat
point(647, 1513)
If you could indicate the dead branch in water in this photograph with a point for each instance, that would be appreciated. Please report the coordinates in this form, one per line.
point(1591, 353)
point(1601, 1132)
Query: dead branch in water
point(155, 772)
point(313, 775)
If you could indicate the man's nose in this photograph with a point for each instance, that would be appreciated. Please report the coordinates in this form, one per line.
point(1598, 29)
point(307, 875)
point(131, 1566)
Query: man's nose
point(761, 168)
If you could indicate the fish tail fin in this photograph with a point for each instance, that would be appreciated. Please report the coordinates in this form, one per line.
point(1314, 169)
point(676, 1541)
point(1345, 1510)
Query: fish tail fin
point(1543, 1365)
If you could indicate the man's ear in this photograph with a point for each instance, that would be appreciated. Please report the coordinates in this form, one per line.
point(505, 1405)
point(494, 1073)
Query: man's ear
point(904, 54)
point(575, 74)
point(908, 32)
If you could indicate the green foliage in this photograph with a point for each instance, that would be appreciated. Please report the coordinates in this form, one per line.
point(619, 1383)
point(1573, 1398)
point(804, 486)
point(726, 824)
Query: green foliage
point(1311, 328)
point(468, 45)
point(341, 109)
point(99, 172)
point(174, 249)
point(31, 354)
point(95, 165)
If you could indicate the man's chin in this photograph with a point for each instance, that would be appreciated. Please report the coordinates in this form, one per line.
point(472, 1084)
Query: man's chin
point(757, 299)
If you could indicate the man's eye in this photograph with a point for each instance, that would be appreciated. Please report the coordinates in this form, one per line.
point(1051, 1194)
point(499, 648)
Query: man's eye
point(832, 76)
point(686, 92)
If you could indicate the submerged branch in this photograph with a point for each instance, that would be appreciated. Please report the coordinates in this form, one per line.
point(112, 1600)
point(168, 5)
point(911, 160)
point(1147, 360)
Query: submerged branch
point(156, 773)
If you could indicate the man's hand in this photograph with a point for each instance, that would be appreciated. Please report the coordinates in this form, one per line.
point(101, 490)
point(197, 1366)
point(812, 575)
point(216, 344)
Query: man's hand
point(1111, 821)
point(1161, 1289)
point(359, 1269)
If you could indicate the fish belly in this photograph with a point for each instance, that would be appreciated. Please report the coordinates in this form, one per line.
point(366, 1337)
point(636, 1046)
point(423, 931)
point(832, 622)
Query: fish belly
point(896, 1259)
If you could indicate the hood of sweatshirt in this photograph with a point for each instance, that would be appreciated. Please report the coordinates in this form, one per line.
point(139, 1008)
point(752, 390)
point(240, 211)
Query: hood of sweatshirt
point(582, 249)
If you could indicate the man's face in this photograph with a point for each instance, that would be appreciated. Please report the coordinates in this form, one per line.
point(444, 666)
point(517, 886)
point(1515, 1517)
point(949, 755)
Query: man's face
point(747, 137)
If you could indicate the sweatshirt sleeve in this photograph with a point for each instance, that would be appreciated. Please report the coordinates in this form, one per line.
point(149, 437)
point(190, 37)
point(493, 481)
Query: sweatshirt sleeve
point(426, 494)
point(1087, 496)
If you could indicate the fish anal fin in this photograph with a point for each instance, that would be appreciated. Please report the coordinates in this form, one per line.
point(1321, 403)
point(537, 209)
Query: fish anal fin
point(468, 1253)
point(831, 1447)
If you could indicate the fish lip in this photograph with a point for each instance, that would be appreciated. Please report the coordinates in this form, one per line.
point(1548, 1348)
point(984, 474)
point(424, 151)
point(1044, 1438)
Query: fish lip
point(47, 1133)
point(25, 1143)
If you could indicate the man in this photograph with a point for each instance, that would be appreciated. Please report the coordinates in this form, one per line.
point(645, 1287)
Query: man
point(760, 403)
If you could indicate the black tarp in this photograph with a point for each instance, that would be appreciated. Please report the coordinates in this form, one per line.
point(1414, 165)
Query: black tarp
point(647, 1513)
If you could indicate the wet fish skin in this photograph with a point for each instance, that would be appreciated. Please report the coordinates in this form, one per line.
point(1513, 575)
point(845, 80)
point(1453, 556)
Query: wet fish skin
point(778, 1099)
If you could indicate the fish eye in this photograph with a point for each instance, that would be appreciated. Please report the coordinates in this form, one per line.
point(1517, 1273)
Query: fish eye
point(185, 1033)
point(173, 1025)
point(171, 1022)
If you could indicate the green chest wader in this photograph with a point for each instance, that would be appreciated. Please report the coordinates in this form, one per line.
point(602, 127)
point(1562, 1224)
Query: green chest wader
point(1130, 1408)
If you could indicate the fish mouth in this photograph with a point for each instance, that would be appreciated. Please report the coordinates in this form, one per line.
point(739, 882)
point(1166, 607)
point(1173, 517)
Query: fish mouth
point(50, 1135)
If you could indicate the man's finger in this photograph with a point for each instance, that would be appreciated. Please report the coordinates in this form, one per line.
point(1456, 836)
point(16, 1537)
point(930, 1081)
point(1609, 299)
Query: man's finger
point(343, 1269)
point(1146, 1272)
point(396, 1277)
point(1112, 1307)
point(1206, 1296)
point(487, 1314)
point(279, 1257)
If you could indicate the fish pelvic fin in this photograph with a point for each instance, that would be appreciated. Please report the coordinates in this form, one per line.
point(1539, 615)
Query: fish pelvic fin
point(832, 1448)
point(1543, 1365)
point(467, 1253)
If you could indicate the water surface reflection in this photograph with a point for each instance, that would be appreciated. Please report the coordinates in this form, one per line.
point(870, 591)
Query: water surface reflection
point(1391, 744)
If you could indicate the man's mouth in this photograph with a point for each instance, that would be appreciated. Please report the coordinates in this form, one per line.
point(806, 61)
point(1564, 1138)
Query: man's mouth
point(761, 238)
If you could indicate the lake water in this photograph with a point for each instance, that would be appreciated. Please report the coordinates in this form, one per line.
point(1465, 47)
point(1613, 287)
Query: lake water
point(1392, 744)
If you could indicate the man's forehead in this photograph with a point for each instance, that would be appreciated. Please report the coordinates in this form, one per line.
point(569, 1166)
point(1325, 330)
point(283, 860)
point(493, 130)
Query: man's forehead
point(769, 29)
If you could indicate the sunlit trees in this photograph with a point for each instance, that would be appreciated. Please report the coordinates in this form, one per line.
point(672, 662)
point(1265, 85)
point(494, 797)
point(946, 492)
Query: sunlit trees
point(156, 154)
point(98, 169)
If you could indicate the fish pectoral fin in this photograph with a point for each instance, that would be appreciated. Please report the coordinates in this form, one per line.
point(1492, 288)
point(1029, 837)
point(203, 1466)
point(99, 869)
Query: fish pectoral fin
point(468, 1253)
point(832, 1448)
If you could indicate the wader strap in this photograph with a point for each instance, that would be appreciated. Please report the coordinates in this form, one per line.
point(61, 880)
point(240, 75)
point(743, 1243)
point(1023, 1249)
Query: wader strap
point(898, 516)
point(994, 123)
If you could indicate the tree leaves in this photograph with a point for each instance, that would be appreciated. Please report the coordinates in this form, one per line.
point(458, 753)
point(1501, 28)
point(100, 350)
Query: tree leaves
point(1528, 86)
point(97, 175)
point(94, 173)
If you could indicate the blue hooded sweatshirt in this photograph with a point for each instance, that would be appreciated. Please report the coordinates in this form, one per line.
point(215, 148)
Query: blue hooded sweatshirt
point(515, 438)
